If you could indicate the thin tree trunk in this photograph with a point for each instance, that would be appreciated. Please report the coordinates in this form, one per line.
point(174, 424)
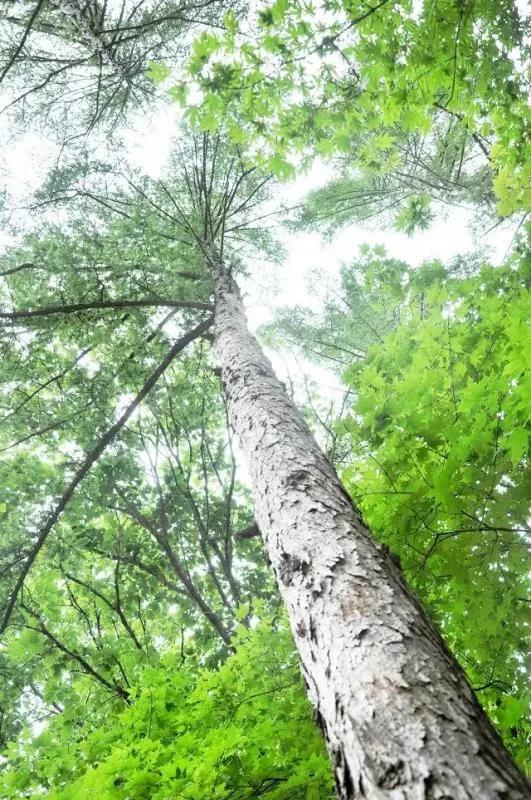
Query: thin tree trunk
point(400, 719)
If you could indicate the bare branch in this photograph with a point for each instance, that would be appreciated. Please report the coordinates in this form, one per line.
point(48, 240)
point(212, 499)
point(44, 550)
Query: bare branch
point(182, 573)
point(73, 308)
point(13, 270)
point(22, 40)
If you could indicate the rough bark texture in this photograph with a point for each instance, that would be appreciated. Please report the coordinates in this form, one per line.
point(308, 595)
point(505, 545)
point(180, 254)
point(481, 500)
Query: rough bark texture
point(87, 20)
point(400, 720)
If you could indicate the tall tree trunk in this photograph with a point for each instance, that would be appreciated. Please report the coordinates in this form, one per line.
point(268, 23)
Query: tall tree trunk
point(400, 719)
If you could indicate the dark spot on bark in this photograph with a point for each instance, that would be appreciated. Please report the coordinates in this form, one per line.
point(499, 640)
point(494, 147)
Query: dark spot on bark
point(319, 721)
point(318, 590)
point(296, 477)
point(362, 635)
point(336, 562)
point(393, 776)
point(285, 572)
point(289, 565)
point(340, 710)
point(313, 631)
point(392, 556)
point(301, 629)
point(338, 783)
point(347, 779)
point(429, 784)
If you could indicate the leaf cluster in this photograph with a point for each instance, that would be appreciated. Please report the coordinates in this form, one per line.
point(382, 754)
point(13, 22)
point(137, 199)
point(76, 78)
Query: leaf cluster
point(241, 730)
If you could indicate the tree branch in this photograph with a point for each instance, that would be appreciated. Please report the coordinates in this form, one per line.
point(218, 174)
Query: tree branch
point(22, 41)
point(91, 458)
point(250, 532)
point(84, 664)
point(115, 608)
point(13, 270)
point(46, 311)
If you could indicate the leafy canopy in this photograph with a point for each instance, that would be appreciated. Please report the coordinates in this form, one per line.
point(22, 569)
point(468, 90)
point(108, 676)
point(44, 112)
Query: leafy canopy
point(344, 77)
point(118, 673)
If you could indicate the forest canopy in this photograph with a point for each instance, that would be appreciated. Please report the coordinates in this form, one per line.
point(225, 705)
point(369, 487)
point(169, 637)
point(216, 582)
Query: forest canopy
point(220, 583)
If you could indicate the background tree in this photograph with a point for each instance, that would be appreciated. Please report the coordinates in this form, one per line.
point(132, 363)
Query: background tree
point(92, 57)
point(156, 516)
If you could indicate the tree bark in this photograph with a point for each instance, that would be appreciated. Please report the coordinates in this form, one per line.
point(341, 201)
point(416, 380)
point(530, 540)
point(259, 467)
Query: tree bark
point(400, 719)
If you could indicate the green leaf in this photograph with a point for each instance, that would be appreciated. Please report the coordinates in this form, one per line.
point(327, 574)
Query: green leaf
point(158, 72)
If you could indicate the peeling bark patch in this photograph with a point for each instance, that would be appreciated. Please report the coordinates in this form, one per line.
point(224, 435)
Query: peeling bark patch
point(343, 778)
point(359, 637)
point(430, 790)
point(353, 606)
point(318, 590)
point(294, 479)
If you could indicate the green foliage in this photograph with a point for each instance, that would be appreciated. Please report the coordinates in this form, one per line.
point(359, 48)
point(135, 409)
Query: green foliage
point(435, 444)
point(357, 80)
point(117, 673)
point(406, 186)
point(145, 553)
point(241, 730)
point(416, 215)
point(158, 72)
point(440, 436)
point(359, 312)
